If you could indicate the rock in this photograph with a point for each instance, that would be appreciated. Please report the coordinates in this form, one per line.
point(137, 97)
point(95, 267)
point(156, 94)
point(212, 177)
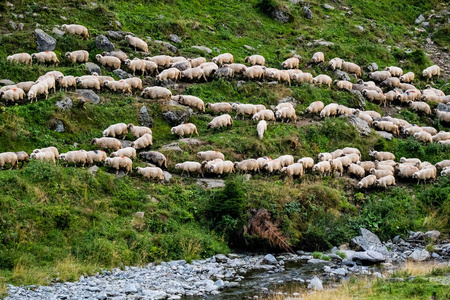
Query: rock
point(385, 134)
point(44, 41)
point(167, 176)
point(307, 12)
point(176, 115)
point(249, 47)
point(175, 38)
point(315, 261)
point(191, 141)
point(144, 117)
point(221, 258)
point(139, 215)
point(20, 26)
point(340, 272)
point(321, 42)
point(373, 67)
point(443, 107)
point(361, 125)
point(368, 257)
point(419, 255)
point(4, 82)
point(93, 170)
point(211, 183)
point(155, 295)
point(360, 28)
point(103, 43)
point(167, 45)
point(65, 104)
point(419, 19)
point(93, 68)
point(12, 25)
point(122, 74)
point(59, 126)
point(360, 98)
point(281, 16)
point(101, 296)
point(220, 284)
point(367, 241)
point(329, 7)
point(432, 235)
point(116, 35)
point(341, 75)
point(57, 32)
point(172, 147)
point(294, 2)
point(125, 143)
point(315, 284)
point(130, 289)
point(425, 24)
point(203, 48)
point(270, 259)
point(89, 95)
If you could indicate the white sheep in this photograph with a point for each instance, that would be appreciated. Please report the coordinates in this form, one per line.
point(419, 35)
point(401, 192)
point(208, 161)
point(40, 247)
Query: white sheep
point(184, 129)
point(408, 77)
point(151, 173)
point(342, 84)
point(395, 71)
point(120, 162)
point(255, 60)
point(445, 172)
point(380, 155)
point(425, 174)
point(441, 136)
point(261, 128)
point(366, 165)
point(323, 168)
point(375, 96)
point(380, 75)
point(351, 68)
point(329, 110)
point(163, 61)
point(286, 114)
point(290, 63)
point(224, 58)
point(66, 82)
point(335, 63)
point(392, 82)
point(21, 58)
point(89, 83)
point(43, 156)
point(443, 116)
point(142, 142)
point(136, 65)
point(171, 73)
point(280, 76)
point(303, 77)
point(356, 170)
point(221, 121)
point(193, 73)
point(191, 101)
point(46, 57)
point(190, 166)
point(137, 43)
point(244, 109)
point(220, 107)
point(248, 165)
point(254, 72)
point(96, 156)
point(138, 131)
point(129, 152)
point(429, 72)
point(323, 79)
point(81, 56)
point(307, 162)
point(380, 173)
point(385, 181)
point(387, 126)
point(74, 157)
point(117, 53)
point(238, 69)
point(156, 93)
point(195, 62)
point(423, 136)
point(36, 90)
point(315, 107)
point(134, 82)
point(210, 155)
point(336, 166)
point(324, 156)
point(117, 86)
point(265, 114)
point(8, 158)
point(367, 181)
point(109, 61)
point(107, 143)
point(75, 29)
point(272, 166)
point(420, 107)
point(318, 57)
point(443, 164)
point(293, 170)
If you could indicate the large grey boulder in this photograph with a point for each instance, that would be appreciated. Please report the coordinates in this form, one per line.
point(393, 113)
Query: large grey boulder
point(270, 259)
point(89, 95)
point(432, 235)
point(307, 12)
point(341, 75)
point(174, 38)
point(281, 16)
point(144, 117)
point(221, 258)
point(329, 7)
point(4, 82)
point(44, 41)
point(122, 74)
point(167, 45)
point(443, 107)
point(93, 68)
point(65, 104)
point(176, 115)
point(211, 183)
point(360, 98)
point(59, 126)
point(369, 257)
point(361, 125)
point(203, 48)
point(167, 176)
point(367, 241)
point(419, 255)
point(419, 19)
point(385, 134)
point(373, 67)
point(103, 43)
point(315, 284)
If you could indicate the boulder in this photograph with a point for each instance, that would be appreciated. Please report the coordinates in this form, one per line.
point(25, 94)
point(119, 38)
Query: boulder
point(93, 170)
point(270, 259)
point(369, 257)
point(191, 141)
point(443, 107)
point(65, 104)
point(419, 255)
point(59, 126)
point(385, 134)
point(155, 295)
point(432, 235)
point(221, 258)
point(167, 45)
point(103, 43)
point(211, 183)
point(167, 176)
point(419, 19)
point(44, 41)
point(360, 98)
point(315, 284)
point(122, 74)
point(175, 38)
point(360, 28)
point(250, 48)
point(144, 117)
point(367, 241)
point(172, 147)
point(89, 95)
point(341, 75)
point(307, 12)
point(203, 48)
point(372, 67)
point(176, 115)
point(281, 16)
point(361, 125)
point(93, 68)
point(329, 7)
point(4, 82)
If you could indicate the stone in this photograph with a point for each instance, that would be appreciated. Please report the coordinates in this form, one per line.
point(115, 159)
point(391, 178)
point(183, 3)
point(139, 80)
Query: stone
point(270, 259)
point(155, 295)
point(321, 42)
point(419, 255)
point(419, 19)
point(360, 28)
point(101, 296)
point(4, 82)
point(65, 104)
point(176, 115)
point(315, 284)
point(44, 41)
point(361, 125)
point(315, 261)
point(191, 141)
point(130, 289)
point(12, 25)
point(203, 48)
point(281, 16)
point(167, 176)
point(294, 2)
point(443, 107)
point(167, 45)
point(139, 214)
point(367, 241)
point(122, 74)
point(432, 235)
point(425, 24)
point(59, 126)
point(385, 134)
point(93, 170)
point(211, 183)
point(340, 272)
point(360, 98)
point(175, 38)
point(20, 26)
point(307, 12)
point(341, 75)
point(249, 47)
point(220, 284)
point(373, 67)
point(103, 43)
point(368, 257)
point(144, 117)
point(172, 147)
point(93, 68)
point(329, 7)
point(89, 95)
point(57, 32)
point(221, 258)
point(116, 35)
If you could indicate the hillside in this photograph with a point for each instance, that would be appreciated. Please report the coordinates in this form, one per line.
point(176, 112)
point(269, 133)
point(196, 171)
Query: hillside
point(59, 222)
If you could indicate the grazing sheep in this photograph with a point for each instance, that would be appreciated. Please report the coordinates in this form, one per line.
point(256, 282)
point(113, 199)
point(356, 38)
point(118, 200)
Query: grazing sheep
point(323, 168)
point(75, 29)
point(238, 69)
point(380, 156)
point(107, 143)
point(303, 77)
point(272, 166)
point(117, 53)
point(293, 73)
point(335, 63)
point(221, 107)
point(190, 166)
point(51, 150)
point(443, 164)
point(356, 170)
point(423, 136)
point(307, 162)
point(117, 86)
point(293, 170)
point(317, 57)
point(362, 115)
point(429, 72)
point(156, 93)
point(50, 79)
point(430, 95)
point(385, 181)
point(315, 107)
point(286, 114)
point(121, 162)
point(44, 156)
point(420, 107)
point(373, 114)
point(392, 82)
point(193, 73)
point(329, 110)
point(408, 77)
point(96, 156)
point(181, 65)
point(286, 160)
point(135, 83)
point(436, 91)
point(391, 96)
point(280, 76)
point(155, 157)
point(138, 131)
point(12, 95)
point(221, 121)
point(21, 58)
point(265, 114)
point(411, 130)
point(255, 60)
point(254, 72)
point(425, 174)
point(409, 95)
point(351, 68)
point(324, 156)
point(142, 142)
point(346, 160)
point(337, 153)
point(191, 101)
point(344, 110)
point(366, 165)
point(367, 182)
point(221, 167)
point(210, 155)
point(171, 73)
point(380, 75)
point(195, 62)
point(163, 61)
point(395, 71)
point(406, 171)
point(443, 116)
point(46, 57)
point(22, 157)
point(36, 90)
point(245, 166)
point(209, 69)
point(351, 150)
point(285, 104)
point(405, 160)
point(74, 157)
point(244, 109)
point(66, 82)
point(261, 128)
point(25, 85)
point(225, 58)
point(137, 43)
point(151, 173)
point(224, 72)
point(342, 84)
point(386, 126)
point(184, 129)
point(323, 79)
point(89, 83)
point(375, 96)
point(109, 61)
point(354, 157)
point(445, 172)
point(8, 158)
point(336, 166)
point(81, 56)
point(380, 173)
point(290, 63)
point(136, 65)
point(129, 152)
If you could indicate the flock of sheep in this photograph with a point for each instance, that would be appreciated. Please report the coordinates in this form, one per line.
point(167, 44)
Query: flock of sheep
point(392, 86)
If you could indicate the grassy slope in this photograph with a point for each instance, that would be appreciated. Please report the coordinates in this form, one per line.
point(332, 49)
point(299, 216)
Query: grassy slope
point(54, 213)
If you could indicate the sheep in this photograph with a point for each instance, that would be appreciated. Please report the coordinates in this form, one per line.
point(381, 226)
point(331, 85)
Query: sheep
point(329, 110)
point(137, 43)
point(290, 63)
point(117, 53)
point(66, 82)
point(380, 164)
point(317, 57)
point(8, 158)
point(136, 65)
point(25, 86)
point(75, 29)
point(190, 166)
point(366, 165)
point(408, 77)
point(373, 114)
point(293, 170)
point(191, 101)
point(238, 69)
point(406, 171)
point(248, 165)
point(350, 150)
point(195, 62)
point(109, 61)
point(46, 57)
point(392, 82)
point(367, 182)
point(280, 76)
point(443, 164)
point(81, 56)
point(180, 65)
point(323, 79)
point(346, 160)
point(163, 61)
point(12, 95)
point(443, 116)
point(380, 173)
point(255, 60)
point(135, 83)
point(380, 75)
point(221, 121)
point(184, 129)
point(380, 156)
point(151, 173)
point(116, 86)
point(335, 63)
point(436, 91)
point(89, 83)
point(265, 114)
point(259, 107)
point(155, 157)
point(120, 162)
point(307, 162)
point(138, 131)
point(284, 104)
point(405, 160)
point(336, 166)
point(210, 155)
point(323, 168)
point(43, 156)
point(429, 72)
point(354, 157)
point(209, 69)
point(193, 73)
point(224, 58)
point(342, 84)
point(50, 79)
point(375, 96)
point(395, 71)
point(423, 136)
point(21, 58)
point(221, 167)
point(129, 152)
point(445, 172)
point(315, 107)
point(344, 110)
point(156, 93)
point(272, 166)
point(412, 130)
point(351, 68)
point(445, 143)
point(362, 115)
point(391, 96)
point(286, 114)
point(244, 109)
point(420, 107)
point(176, 59)
point(303, 77)
point(286, 160)
point(446, 99)
point(293, 73)
point(254, 72)
point(385, 181)
point(107, 143)
point(96, 156)
point(221, 107)
point(324, 156)
point(36, 90)
point(430, 95)
point(396, 121)
point(356, 170)
point(171, 73)
point(142, 142)
point(151, 67)
point(425, 174)
point(407, 86)
point(261, 128)
point(386, 126)
point(74, 157)
point(22, 157)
